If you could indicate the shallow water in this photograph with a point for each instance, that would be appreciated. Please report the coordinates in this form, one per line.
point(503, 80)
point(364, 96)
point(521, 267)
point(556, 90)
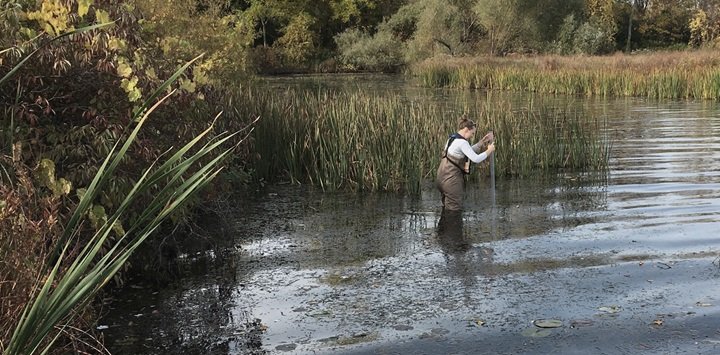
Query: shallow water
point(626, 260)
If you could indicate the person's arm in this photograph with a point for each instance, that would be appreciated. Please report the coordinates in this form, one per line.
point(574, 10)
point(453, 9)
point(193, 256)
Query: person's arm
point(483, 143)
point(470, 152)
point(479, 147)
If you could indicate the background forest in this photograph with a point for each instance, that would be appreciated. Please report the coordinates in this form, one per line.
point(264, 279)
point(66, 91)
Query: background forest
point(386, 35)
point(66, 107)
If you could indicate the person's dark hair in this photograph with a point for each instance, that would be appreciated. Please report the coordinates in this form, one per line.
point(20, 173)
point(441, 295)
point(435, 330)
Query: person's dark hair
point(465, 122)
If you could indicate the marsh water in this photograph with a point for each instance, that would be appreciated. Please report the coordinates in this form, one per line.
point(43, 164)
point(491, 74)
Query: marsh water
point(620, 262)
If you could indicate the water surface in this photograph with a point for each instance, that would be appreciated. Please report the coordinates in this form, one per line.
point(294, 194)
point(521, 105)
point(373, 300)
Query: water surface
point(627, 259)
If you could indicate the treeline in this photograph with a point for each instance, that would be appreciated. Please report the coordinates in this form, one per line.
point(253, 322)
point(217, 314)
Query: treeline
point(276, 36)
point(423, 29)
point(386, 35)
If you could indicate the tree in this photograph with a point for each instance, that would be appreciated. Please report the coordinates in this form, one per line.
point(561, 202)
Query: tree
point(601, 14)
point(666, 22)
point(437, 31)
point(265, 12)
point(549, 15)
point(505, 23)
point(182, 28)
point(576, 37)
point(403, 23)
point(704, 24)
point(383, 50)
point(298, 42)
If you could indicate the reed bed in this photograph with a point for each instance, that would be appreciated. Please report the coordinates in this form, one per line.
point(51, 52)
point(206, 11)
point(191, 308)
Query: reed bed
point(376, 142)
point(674, 75)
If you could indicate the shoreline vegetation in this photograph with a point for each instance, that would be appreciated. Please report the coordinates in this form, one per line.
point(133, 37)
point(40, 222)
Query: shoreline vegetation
point(656, 75)
point(373, 142)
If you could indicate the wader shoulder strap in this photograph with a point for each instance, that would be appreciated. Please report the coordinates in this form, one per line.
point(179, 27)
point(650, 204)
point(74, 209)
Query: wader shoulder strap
point(452, 138)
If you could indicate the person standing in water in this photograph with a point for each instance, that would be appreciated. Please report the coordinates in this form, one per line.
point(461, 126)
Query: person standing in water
point(455, 162)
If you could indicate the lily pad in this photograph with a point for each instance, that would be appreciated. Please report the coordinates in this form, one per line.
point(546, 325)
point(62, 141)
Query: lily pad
point(577, 323)
point(610, 309)
point(548, 323)
point(536, 333)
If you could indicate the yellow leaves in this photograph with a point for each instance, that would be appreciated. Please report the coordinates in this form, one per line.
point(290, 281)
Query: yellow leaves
point(139, 59)
point(118, 228)
point(83, 7)
point(166, 46)
point(53, 17)
point(123, 68)
point(117, 44)
point(129, 81)
point(28, 32)
point(150, 73)
point(62, 187)
point(187, 85)
point(200, 71)
point(45, 174)
point(98, 218)
point(130, 87)
point(102, 16)
point(699, 28)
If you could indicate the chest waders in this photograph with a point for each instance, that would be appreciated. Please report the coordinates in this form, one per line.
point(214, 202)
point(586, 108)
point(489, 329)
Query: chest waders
point(450, 178)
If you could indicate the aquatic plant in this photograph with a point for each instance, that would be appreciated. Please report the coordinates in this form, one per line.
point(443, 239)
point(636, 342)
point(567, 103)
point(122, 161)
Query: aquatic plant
point(366, 141)
point(675, 75)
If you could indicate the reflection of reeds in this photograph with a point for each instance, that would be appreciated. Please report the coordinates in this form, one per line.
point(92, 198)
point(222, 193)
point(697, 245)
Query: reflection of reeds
point(660, 75)
point(370, 142)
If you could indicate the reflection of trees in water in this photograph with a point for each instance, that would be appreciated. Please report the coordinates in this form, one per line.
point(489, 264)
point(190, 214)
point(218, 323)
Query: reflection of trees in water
point(341, 229)
point(197, 319)
point(528, 207)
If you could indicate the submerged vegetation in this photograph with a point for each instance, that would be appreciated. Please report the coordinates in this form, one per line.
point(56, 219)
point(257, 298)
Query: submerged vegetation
point(372, 142)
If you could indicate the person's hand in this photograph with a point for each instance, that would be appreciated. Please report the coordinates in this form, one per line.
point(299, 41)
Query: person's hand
point(490, 148)
point(488, 138)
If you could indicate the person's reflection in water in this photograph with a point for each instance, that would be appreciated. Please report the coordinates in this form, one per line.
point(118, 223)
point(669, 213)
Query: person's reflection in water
point(450, 233)
point(455, 246)
point(464, 260)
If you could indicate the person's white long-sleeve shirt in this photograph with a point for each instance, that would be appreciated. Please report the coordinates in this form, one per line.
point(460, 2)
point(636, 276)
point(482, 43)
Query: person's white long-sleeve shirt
point(460, 148)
